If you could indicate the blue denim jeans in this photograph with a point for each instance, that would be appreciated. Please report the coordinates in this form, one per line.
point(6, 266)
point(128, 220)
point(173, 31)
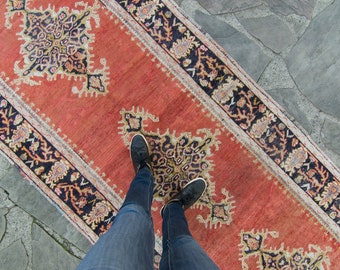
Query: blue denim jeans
point(180, 249)
point(129, 243)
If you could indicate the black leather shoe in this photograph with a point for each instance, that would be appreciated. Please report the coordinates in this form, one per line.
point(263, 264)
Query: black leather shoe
point(139, 152)
point(191, 192)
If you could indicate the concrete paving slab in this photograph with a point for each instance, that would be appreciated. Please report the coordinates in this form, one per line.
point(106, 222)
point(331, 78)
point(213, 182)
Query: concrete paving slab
point(3, 222)
point(18, 229)
point(313, 61)
point(270, 30)
point(18, 224)
point(276, 75)
point(330, 134)
point(321, 5)
point(4, 200)
point(308, 89)
point(289, 99)
point(14, 257)
point(179, 2)
point(297, 24)
point(226, 6)
point(33, 202)
point(4, 165)
point(301, 7)
point(47, 254)
point(245, 51)
point(62, 241)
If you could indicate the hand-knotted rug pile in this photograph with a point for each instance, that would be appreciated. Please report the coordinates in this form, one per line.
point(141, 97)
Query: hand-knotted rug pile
point(80, 78)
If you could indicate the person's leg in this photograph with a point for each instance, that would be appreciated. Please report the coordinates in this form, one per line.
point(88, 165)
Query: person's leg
point(180, 250)
point(141, 190)
point(129, 243)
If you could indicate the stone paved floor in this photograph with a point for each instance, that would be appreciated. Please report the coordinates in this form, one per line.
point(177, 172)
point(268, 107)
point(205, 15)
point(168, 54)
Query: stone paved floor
point(291, 48)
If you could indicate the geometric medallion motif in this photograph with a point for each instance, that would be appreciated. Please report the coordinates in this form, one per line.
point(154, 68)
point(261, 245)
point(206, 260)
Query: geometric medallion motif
point(242, 105)
point(58, 43)
point(179, 159)
point(253, 245)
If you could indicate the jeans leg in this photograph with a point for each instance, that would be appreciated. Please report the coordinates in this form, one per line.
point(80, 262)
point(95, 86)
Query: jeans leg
point(129, 243)
point(180, 250)
point(141, 190)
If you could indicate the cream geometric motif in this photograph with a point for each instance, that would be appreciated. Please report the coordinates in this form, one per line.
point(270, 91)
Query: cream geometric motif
point(253, 246)
point(57, 44)
point(179, 159)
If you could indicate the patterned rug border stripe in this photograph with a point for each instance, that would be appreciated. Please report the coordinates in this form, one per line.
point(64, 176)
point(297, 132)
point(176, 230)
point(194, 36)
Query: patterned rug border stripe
point(236, 69)
point(298, 154)
point(233, 66)
point(61, 146)
point(153, 47)
point(254, 87)
point(49, 135)
point(219, 112)
point(51, 197)
point(45, 130)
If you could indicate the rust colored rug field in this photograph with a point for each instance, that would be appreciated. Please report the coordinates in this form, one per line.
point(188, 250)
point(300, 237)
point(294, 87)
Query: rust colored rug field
point(79, 79)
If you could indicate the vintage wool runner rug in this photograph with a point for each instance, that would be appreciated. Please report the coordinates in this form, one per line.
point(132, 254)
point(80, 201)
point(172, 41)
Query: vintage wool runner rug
point(80, 78)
